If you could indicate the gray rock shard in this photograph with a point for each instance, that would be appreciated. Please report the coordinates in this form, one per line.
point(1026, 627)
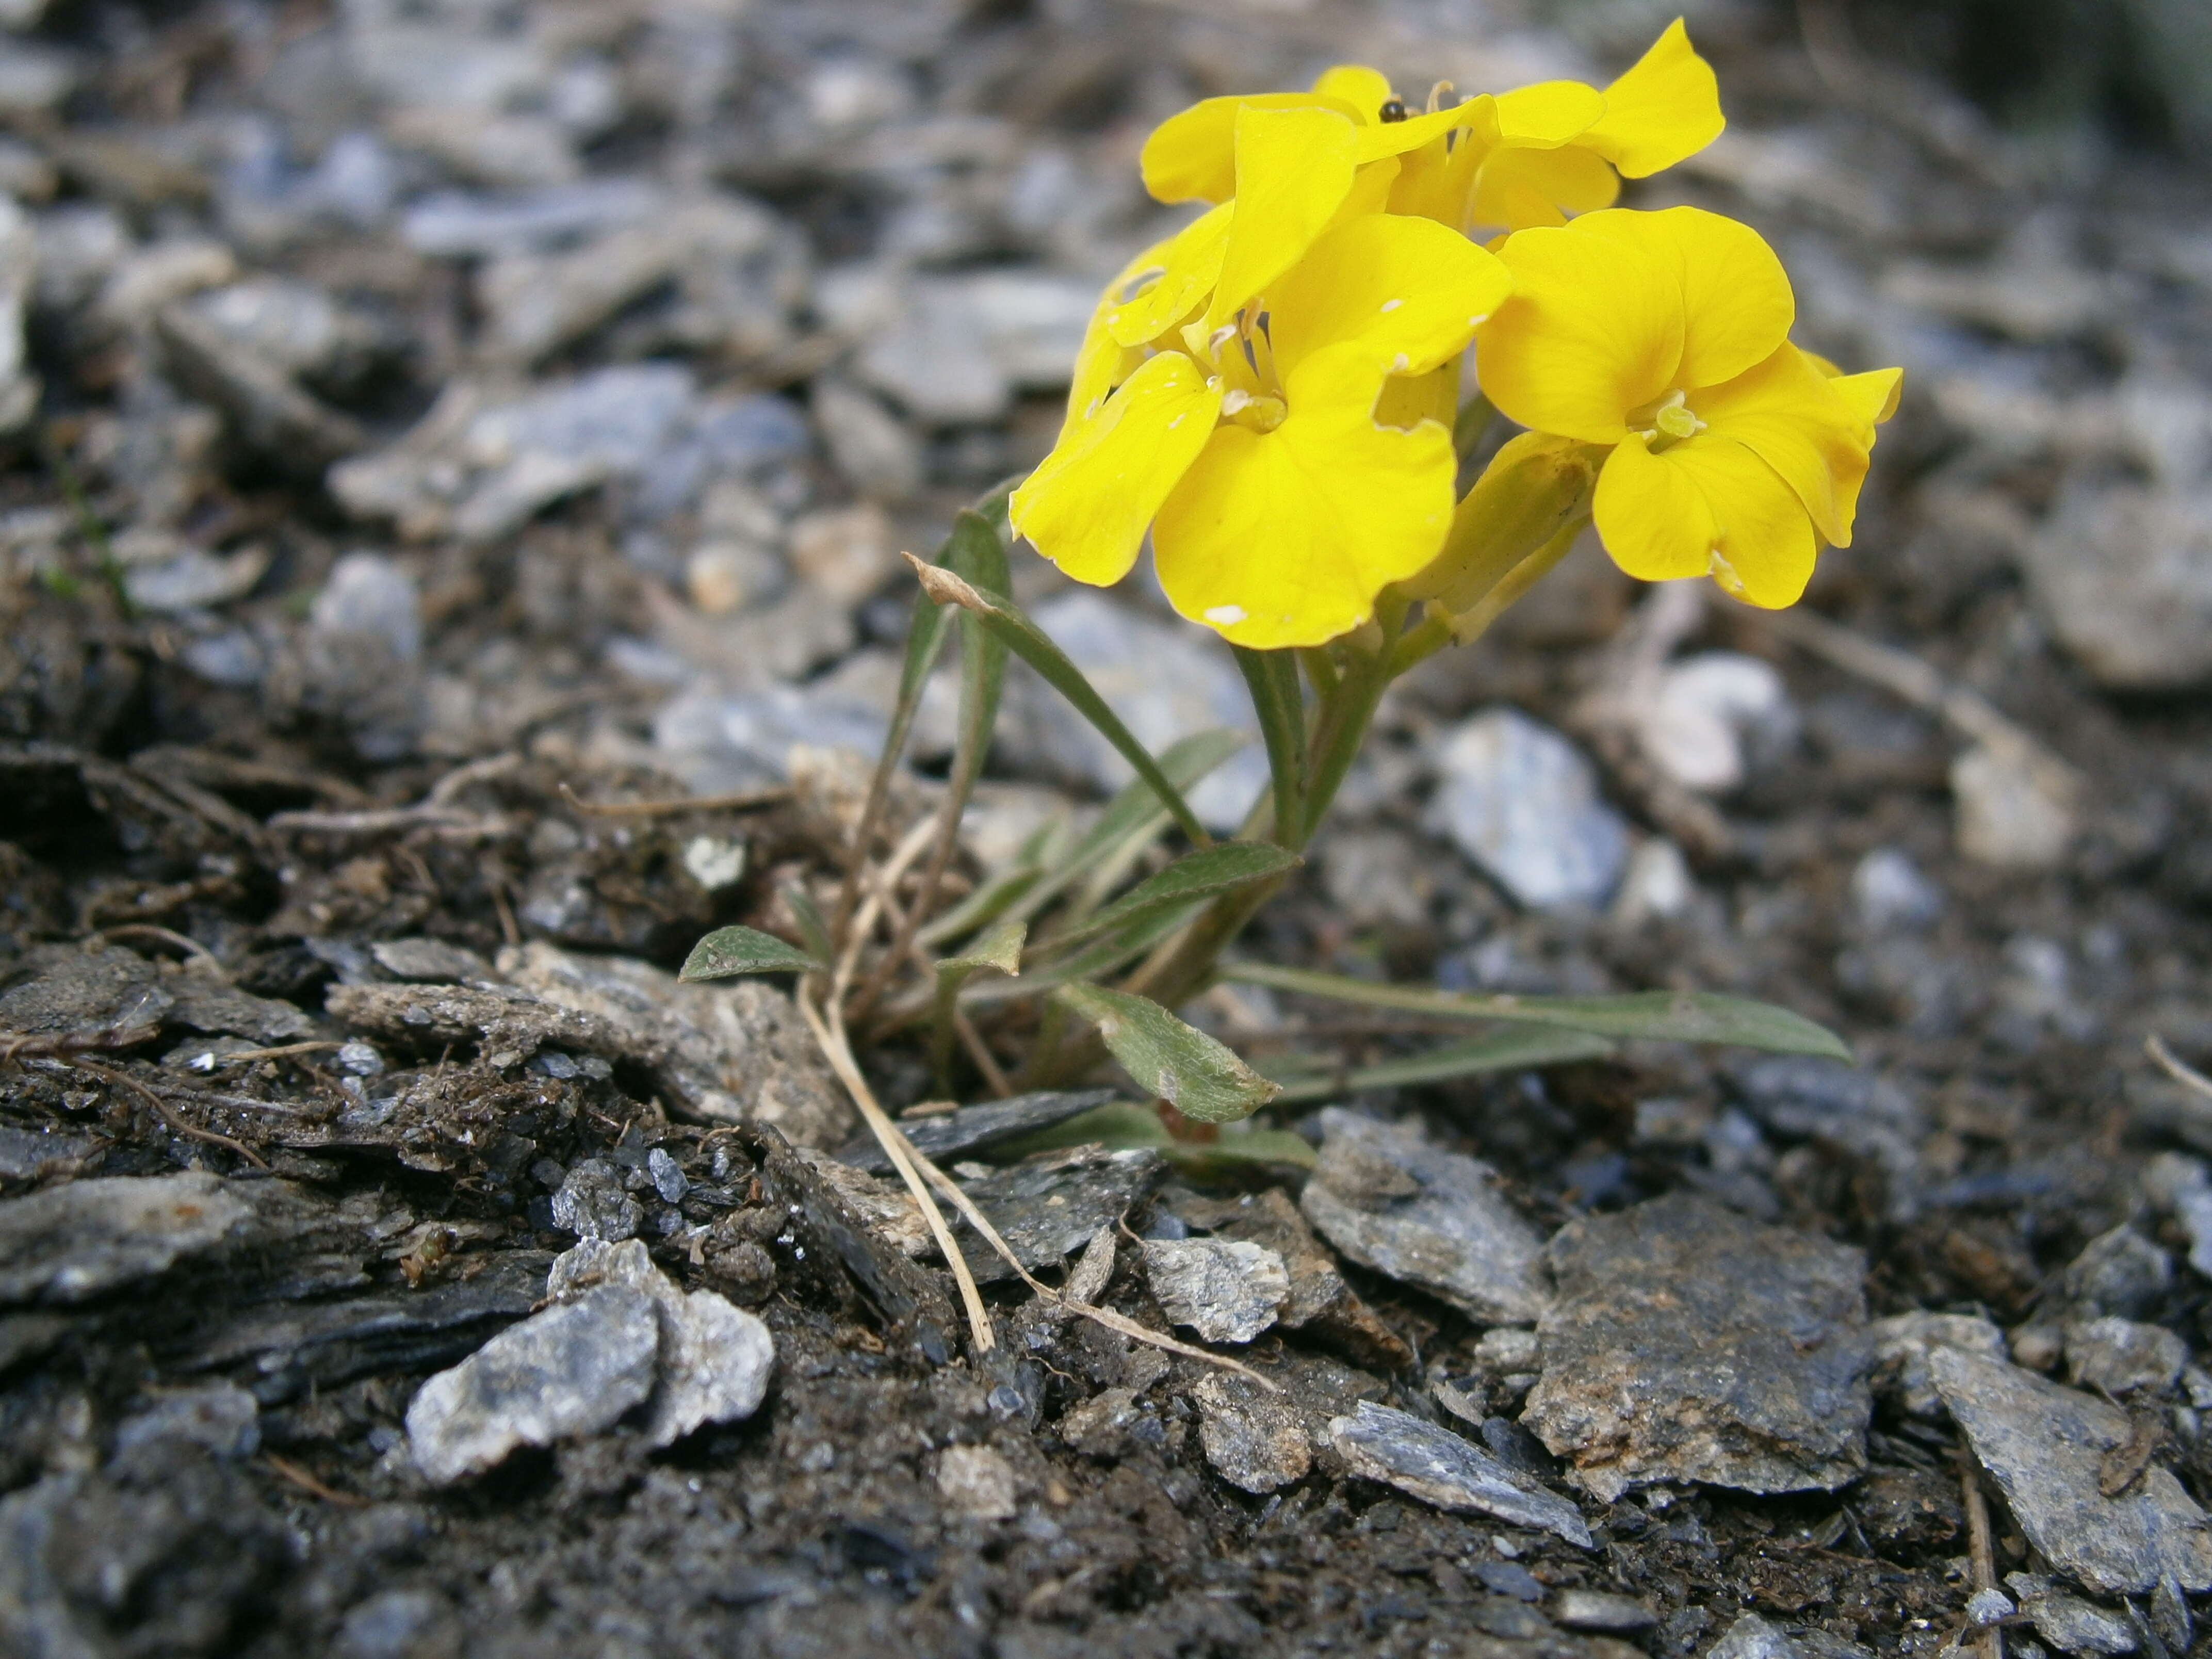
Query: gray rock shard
point(715, 1357)
point(1380, 1442)
point(1226, 1291)
point(1254, 1439)
point(1752, 1637)
point(570, 1370)
point(1688, 1344)
point(2067, 1622)
point(71, 1243)
point(2045, 1446)
point(1903, 1342)
point(1426, 1216)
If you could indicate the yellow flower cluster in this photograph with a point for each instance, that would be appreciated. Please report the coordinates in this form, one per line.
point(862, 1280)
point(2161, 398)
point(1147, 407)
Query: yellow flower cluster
point(1271, 392)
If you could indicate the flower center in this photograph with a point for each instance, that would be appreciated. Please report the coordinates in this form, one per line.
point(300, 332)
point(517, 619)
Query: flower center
point(1263, 413)
point(1667, 422)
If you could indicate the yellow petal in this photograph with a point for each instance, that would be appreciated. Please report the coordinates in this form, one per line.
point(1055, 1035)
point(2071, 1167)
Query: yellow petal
point(1087, 506)
point(1592, 330)
point(1666, 107)
point(1873, 395)
point(1373, 185)
point(1432, 181)
point(1522, 188)
point(1407, 400)
point(1415, 132)
point(1101, 362)
point(1548, 114)
point(1788, 413)
point(1189, 264)
point(1736, 303)
point(1294, 168)
point(1284, 538)
point(1192, 156)
point(1408, 294)
point(1706, 506)
point(1365, 90)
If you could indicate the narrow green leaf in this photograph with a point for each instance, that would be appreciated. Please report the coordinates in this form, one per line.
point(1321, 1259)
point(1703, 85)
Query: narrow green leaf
point(1031, 644)
point(1179, 1063)
point(812, 927)
point(999, 947)
point(1211, 870)
point(978, 557)
point(1515, 1049)
point(925, 641)
point(1665, 1015)
point(1272, 676)
point(990, 505)
point(1123, 1126)
point(728, 952)
point(985, 905)
point(1131, 821)
point(1098, 959)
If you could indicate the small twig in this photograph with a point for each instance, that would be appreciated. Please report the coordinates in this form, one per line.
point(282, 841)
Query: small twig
point(308, 1484)
point(830, 1037)
point(994, 1078)
point(510, 930)
point(240, 1056)
point(1106, 1316)
point(433, 810)
point(191, 947)
point(2167, 1061)
point(1989, 1640)
point(744, 802)
point(872, 907)
point(177, 1125)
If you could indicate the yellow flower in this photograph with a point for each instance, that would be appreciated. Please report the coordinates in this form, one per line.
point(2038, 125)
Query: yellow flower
point(1663, 337)
point(1532, 156)
point(1278, 505)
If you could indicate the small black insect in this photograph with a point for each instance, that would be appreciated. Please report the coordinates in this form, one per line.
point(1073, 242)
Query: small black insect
point(1394, 110)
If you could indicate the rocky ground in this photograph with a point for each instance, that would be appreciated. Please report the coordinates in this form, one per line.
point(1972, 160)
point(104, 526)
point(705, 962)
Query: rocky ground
point(457, 459)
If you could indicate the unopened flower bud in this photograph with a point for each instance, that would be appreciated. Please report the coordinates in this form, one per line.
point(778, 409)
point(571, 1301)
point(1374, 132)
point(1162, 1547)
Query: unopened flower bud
point(1535, 487)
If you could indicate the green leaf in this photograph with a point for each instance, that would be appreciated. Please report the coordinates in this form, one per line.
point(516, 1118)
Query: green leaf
point(1179, 1063)
point(985, 905)
point(1663, 1016)
point(1031, 644)
point(1098, 959)
point(1515, 1049)
point(811, 929)
point(1272, 676)
point(1123, 1126)
point(728, 952)
point(977, 556)
point(1131, 821)
point(999, 947)
point(1211, 870)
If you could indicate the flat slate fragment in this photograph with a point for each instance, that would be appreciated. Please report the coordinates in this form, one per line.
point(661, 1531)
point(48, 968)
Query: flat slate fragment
point(2045, 1446)
point(977, 1128)
point(1426, 1216)
point(1048, 1206)
point(1380, 1442)
point(1687, 1344)
point(69, 1244)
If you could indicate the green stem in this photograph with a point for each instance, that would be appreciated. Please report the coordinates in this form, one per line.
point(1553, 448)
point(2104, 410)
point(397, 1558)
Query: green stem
point(1337, 739)
point(1472, 623)
point(1473, 424)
